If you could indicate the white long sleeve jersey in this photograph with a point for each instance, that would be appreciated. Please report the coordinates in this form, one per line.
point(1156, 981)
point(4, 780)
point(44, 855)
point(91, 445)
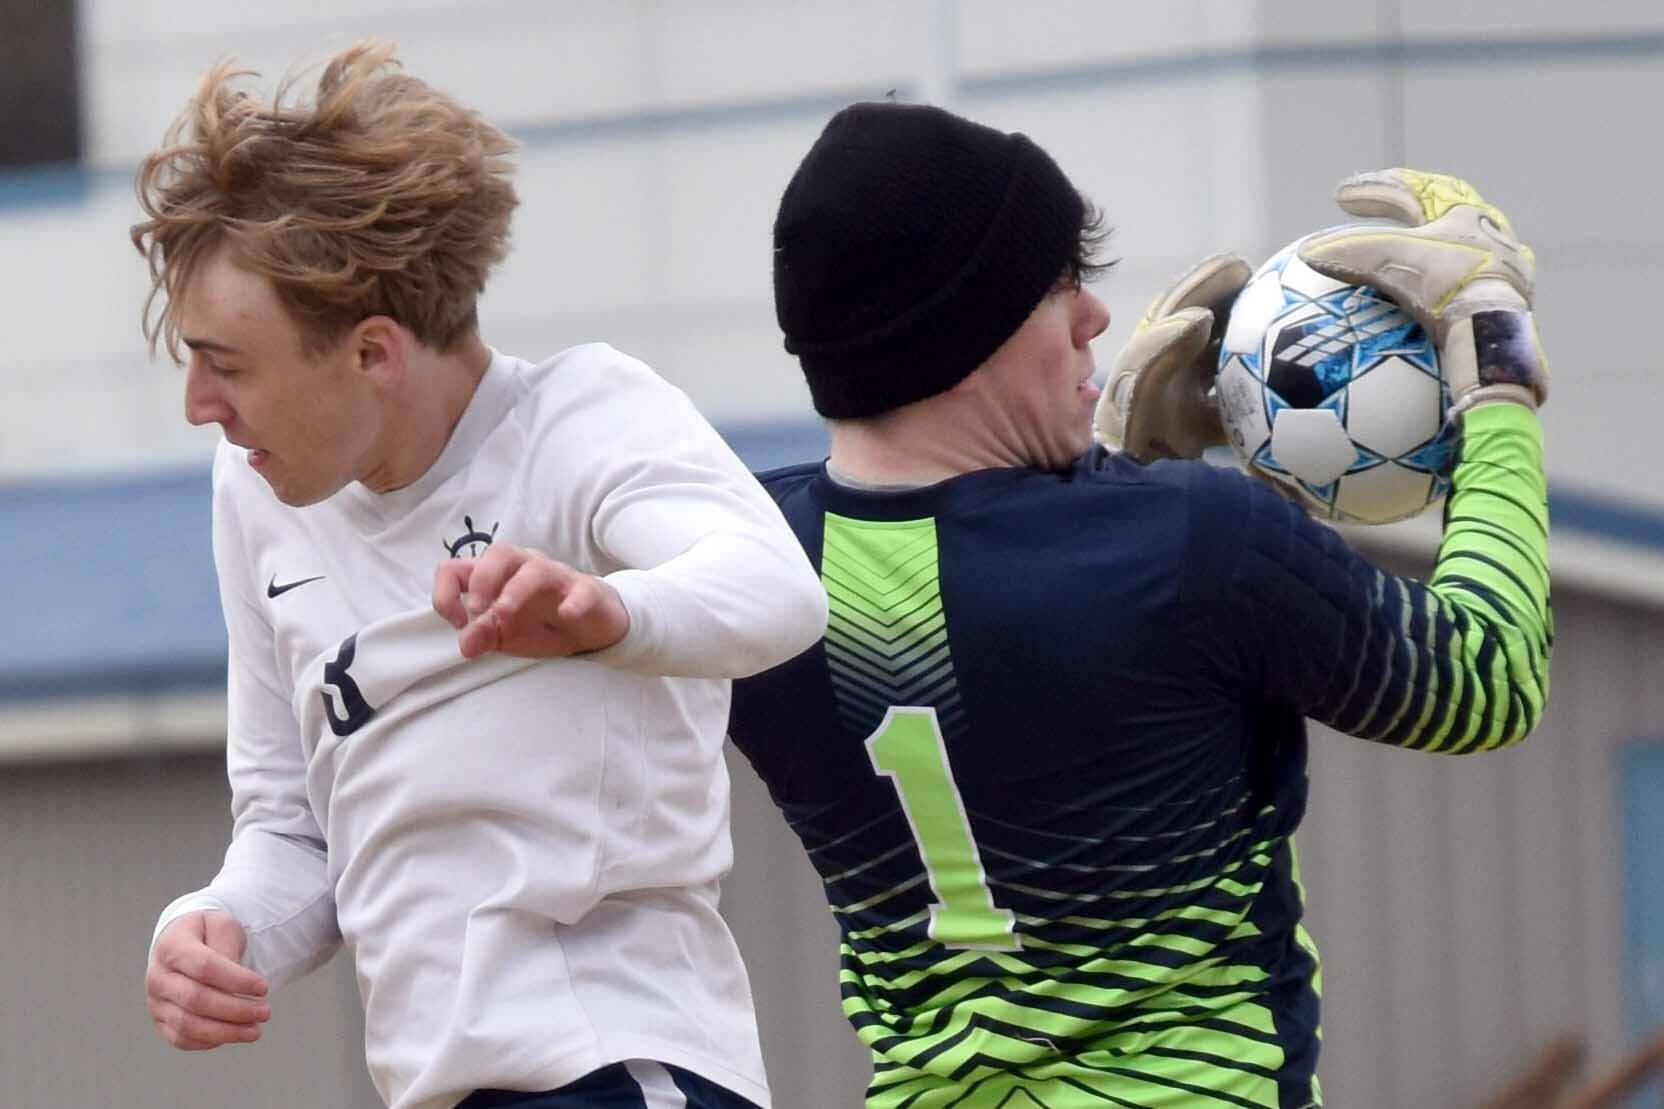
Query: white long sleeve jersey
point(522, 857)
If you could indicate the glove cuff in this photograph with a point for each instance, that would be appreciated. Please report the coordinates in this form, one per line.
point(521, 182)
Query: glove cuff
point(1494, 394)
point(1494, 351)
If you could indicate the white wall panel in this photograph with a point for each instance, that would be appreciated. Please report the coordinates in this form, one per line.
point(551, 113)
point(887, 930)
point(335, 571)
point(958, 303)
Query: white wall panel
point(721, 189)
point(1122, 147)
point(726, 356)
point(207, 21)
point(996, 38)
point(77, 390)
point(1491, 20)
point(1572, 145)
point(520, 62)
point(657, 223)
point(1308, 22)
point(588, 232)
point(660, 245)
point(72, 281)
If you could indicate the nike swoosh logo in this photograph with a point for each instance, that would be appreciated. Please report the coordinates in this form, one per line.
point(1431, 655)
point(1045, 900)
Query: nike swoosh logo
point(275, 590)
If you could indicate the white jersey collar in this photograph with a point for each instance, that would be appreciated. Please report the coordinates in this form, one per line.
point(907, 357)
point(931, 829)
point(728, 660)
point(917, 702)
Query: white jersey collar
point(498, 392)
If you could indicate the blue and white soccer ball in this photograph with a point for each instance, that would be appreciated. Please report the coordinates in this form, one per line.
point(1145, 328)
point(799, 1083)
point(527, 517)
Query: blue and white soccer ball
point(1335, 393)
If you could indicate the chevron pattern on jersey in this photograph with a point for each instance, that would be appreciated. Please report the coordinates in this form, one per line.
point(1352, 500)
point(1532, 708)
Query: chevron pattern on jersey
point(886, 637)
point(1140, 979)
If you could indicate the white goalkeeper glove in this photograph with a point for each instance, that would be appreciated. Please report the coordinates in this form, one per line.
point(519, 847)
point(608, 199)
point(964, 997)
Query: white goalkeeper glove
point(1156, 403)
point(1456, 267)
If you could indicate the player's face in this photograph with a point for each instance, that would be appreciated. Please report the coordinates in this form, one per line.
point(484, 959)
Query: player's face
point(1042, 375)
point(307, 421)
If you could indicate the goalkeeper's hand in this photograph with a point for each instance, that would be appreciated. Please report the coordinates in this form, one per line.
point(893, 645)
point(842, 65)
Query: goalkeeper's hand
point(1456, 266)
point(1156, 403)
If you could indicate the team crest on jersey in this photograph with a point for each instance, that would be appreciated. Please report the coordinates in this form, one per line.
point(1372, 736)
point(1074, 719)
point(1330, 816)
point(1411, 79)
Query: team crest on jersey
point(473, 541)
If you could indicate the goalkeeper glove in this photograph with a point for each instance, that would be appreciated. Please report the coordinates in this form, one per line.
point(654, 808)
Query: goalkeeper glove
point(1156, 403)
point(1456, 267)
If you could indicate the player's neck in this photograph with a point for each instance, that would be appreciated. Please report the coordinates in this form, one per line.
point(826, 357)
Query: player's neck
point(920, 444)
point(422, 415)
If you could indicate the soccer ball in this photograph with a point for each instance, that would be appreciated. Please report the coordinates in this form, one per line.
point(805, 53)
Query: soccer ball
point(1333, 392)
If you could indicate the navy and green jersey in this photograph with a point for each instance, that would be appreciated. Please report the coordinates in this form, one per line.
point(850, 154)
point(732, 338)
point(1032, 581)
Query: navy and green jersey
point(1050, 756)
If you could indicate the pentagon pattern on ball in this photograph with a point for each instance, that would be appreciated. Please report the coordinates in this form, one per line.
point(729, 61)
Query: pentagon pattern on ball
point(1312, 444)
point(1336, 393)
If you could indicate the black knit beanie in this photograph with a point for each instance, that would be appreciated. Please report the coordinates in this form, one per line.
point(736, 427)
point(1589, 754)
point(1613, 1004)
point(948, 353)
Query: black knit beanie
point(909, 245)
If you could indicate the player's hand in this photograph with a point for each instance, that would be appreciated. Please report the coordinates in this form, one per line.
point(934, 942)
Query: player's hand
point(1456, 266)
point(198, 994)
point(521, 602)
point(1156, 403)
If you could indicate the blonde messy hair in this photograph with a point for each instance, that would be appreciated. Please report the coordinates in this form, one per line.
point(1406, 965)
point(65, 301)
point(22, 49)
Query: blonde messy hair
point(382, 197)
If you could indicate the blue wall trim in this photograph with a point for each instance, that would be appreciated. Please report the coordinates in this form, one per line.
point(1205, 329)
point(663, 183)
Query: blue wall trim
point(1606, 519)
point(113, 588)
point(65, 184)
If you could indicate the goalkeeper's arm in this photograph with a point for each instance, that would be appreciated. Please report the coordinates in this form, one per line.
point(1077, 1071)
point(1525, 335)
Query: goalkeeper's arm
point(1285, 612)
point(1460, 664)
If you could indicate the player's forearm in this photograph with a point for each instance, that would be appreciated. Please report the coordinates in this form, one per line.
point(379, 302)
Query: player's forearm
point(1461, 665)
point(1456, 666)
point(733, 604)
point(277, 887)
point(1493, 570)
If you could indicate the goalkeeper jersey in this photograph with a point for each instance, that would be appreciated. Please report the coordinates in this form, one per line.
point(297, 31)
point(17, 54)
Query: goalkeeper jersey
point(1050, 757)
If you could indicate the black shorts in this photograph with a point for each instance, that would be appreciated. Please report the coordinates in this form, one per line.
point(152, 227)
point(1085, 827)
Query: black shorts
point(637, 1084)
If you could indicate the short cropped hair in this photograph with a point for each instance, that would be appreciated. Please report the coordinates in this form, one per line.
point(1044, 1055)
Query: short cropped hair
point(1089, 261)
point(380, 197)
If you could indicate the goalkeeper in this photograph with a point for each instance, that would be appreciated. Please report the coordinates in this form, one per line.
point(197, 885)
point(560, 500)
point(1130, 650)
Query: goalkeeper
point(1050, 757)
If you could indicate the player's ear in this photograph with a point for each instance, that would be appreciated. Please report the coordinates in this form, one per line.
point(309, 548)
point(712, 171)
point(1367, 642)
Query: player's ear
point(378, 345)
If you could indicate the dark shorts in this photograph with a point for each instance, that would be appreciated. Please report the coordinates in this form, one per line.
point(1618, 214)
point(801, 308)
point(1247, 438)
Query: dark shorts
point(633, 1085)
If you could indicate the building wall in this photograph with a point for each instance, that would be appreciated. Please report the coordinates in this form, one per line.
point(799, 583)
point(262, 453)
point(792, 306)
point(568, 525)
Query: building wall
point(1467, 910)
point(658, 136)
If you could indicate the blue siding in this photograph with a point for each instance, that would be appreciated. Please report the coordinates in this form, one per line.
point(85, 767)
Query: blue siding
point(112, 586)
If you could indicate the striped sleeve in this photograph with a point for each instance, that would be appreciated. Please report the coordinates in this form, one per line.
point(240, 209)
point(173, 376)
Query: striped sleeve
point(1458, 664)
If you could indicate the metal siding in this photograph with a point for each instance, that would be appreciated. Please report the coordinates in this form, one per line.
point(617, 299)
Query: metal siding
point(1491, 881)
point(774, 903)
point(90, 853)
point(1355, 936)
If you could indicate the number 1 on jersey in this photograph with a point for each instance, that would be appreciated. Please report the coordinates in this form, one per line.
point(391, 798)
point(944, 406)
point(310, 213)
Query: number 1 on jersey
point(908, 749)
